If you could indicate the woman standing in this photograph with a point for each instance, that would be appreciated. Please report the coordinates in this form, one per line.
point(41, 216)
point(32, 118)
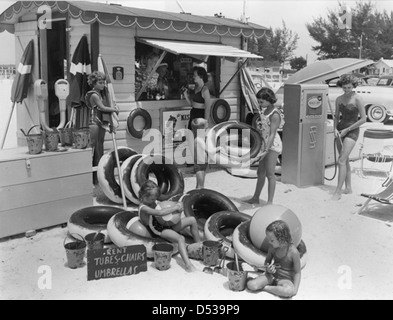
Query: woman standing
point(270, 122)
point(349, 106)
point(94, 101)
point(200, 101)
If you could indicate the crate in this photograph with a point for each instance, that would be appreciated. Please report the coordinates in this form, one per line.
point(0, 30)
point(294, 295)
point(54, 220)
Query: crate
point(43, 190)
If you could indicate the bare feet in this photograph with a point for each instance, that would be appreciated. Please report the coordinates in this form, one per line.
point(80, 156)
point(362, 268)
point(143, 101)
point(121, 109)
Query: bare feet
point(190, 268)
point(336, 196)
point(347, 191)
point(252, 201)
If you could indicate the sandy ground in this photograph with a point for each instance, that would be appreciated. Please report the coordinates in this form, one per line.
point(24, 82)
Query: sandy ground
point(349, 255)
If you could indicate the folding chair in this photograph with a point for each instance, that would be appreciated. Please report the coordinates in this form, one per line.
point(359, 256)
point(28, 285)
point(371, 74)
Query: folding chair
point(384, 196)
point(372, 153)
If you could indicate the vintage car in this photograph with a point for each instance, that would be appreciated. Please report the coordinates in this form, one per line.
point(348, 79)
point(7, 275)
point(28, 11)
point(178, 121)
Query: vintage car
point(377, 97)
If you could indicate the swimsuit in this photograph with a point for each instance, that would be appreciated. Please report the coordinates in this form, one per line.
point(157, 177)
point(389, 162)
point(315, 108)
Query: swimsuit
point(265, 130)
point(349, 116)
point(197, 112)
point(154, 226)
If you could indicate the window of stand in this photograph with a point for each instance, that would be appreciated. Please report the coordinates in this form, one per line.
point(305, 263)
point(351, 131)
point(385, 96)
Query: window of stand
point(174, 73)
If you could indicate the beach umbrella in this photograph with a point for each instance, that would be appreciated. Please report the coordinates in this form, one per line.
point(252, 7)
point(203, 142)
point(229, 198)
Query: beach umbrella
point(80, 69)
point(20, 85)
point(323, 70)
point(248, 89)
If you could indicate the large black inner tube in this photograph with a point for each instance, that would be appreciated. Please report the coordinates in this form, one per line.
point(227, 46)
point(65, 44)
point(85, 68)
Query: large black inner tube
point(220, 104)
point(202, 203)
point(127, 174)
point(169, 171)
point(226, 220)
point(130, 122)
point(94, 218)
point(256, 140)
point(110, 166)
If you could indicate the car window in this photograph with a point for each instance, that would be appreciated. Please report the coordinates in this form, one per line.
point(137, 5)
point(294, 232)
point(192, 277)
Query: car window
point(384, 82)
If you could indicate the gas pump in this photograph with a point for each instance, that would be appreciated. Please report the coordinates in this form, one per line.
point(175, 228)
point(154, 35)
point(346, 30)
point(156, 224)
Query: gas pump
point(62, 90)
point(41, 94)
point(304, 134)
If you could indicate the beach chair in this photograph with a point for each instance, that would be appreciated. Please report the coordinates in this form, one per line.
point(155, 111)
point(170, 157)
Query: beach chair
point(373, 151)
point(384, 195)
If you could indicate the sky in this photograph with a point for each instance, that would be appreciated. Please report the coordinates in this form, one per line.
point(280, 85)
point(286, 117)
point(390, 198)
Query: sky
point(268, 13)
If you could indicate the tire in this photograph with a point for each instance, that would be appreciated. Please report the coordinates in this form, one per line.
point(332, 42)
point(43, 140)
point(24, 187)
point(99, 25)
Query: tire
point(105, 173)
point(145, 165)
point(377, 114)
point(126, 168)
point(138, 112)
point(220, 106)
point(92, 220)
point(202, 203)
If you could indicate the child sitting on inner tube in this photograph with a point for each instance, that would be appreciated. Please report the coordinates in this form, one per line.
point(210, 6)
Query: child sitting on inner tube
point(149, 209)
point(284, 280)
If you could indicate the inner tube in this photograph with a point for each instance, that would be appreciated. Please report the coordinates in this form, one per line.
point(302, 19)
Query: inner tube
point(157, 164)
point(106, 175)
point(126, 168)
point(228, 156)
point(220, 111)
point(91, 220)
point(252, 255)
point(146, 119)
point(220, 227)
point(122, 237)
point(202, 203)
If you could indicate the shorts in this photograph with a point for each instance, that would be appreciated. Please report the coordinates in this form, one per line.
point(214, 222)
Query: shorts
point(195, 113)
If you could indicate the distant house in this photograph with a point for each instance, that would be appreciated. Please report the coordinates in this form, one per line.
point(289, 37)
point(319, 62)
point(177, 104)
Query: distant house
point(7, 71)
point(384, 67)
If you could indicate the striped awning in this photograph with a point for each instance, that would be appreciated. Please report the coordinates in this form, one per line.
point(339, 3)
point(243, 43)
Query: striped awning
point(199, 48)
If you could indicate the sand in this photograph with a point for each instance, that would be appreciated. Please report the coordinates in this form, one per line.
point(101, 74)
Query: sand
point(349, 255)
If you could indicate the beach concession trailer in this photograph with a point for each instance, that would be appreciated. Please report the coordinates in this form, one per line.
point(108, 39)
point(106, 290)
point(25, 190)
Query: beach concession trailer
point(125, 38)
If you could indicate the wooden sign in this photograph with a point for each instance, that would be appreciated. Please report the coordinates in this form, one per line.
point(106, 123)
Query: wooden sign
point(116, 262)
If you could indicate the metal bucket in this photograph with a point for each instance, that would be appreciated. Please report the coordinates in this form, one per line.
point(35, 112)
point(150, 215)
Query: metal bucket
point(211, 252)
point(75, 252)
point(51, 140)
point(34, 141)
point(237, 278)
point(95, 240)
point(162, 255)
point(81, 138)
point(66, 136)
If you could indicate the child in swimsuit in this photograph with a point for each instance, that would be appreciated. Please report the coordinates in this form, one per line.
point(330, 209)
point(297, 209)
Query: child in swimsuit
point(270, 122)
point(284, 280)
point(149, 209)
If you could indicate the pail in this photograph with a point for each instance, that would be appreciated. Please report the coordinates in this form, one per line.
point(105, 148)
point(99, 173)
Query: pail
point(34, 141)
point(237, 279)
point(66, 136)
point(51, 140)
point(75, 252)
point(211, 252)
point(95, 241)
point(81, 138)
point(162, 255)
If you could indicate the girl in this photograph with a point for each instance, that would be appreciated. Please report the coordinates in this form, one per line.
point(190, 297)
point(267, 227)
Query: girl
point(270, 122)
point(149, 208)
point(349, 105)
point(282, 281)
point(94, 101)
